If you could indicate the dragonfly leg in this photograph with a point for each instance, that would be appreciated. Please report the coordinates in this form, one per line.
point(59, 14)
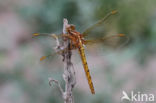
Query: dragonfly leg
point(73, 41)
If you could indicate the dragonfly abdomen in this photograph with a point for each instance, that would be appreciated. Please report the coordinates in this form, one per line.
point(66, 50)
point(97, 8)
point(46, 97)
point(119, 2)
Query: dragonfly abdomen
point(85, 65)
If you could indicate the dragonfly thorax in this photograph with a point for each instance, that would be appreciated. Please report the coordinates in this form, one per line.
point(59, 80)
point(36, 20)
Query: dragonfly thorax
point(76, 37)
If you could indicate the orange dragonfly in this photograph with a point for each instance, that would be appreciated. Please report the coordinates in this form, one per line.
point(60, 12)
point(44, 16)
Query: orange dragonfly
point(78, 41)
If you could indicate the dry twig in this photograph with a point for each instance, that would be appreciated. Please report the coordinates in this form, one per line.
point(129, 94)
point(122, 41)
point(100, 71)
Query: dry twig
point(69, 73)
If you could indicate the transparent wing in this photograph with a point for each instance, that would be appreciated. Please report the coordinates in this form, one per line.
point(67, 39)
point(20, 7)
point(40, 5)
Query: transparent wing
point(53, 54)
point(86, 32)
point(46, 35)
point(57, 42)
point(48, 51)
point(96, 34)
point(118, 40)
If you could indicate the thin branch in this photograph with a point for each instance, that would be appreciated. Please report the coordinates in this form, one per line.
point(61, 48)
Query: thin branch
point(69, 72)
point(57, 83)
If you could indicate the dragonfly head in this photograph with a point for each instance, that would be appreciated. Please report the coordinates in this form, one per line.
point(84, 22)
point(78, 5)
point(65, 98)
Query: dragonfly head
point(71, 28)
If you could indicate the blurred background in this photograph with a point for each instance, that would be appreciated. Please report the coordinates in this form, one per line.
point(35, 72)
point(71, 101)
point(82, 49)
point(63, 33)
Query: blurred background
point(24, 79)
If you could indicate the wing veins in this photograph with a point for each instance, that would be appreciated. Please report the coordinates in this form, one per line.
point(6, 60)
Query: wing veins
point(85, 33)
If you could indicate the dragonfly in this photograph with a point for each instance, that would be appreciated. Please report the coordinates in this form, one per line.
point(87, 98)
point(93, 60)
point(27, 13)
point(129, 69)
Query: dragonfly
point(78, 40)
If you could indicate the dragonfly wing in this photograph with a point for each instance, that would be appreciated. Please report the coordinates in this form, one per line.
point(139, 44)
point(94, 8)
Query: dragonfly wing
point(54, 36)
point(118, 40)
point(85, 33)
point(51, 55)
point(46, 35)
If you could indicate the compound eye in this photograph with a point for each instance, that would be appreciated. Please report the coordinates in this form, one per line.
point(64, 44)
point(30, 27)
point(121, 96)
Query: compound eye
point(72, 27)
